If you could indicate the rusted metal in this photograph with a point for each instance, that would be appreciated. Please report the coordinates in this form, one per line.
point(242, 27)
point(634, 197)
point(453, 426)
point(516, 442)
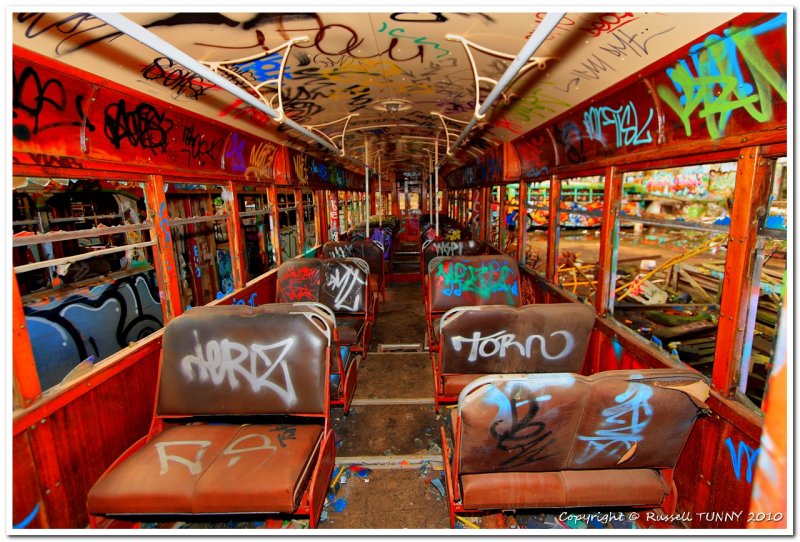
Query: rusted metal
point(606, 269)
point(164, 256)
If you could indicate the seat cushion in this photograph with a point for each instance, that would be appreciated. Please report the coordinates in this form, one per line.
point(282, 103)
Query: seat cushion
point(349, 330)
point(564, 489)
point(209, 468)
point(453, 384)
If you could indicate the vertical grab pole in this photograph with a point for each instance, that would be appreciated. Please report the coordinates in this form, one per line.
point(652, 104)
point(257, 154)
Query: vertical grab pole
point(380, 194)
point(366, 180)
point(436, 188)
point(430, 186)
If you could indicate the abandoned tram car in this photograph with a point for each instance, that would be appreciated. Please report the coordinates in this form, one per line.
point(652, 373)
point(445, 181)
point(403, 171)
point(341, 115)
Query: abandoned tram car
point(525, 270)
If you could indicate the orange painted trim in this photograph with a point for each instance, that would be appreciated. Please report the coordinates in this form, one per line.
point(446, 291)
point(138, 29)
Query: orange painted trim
point(163, 254)
point(608, 242)
point(553, 230)
point(26, 377)
point(235, 238)
point(750, 196)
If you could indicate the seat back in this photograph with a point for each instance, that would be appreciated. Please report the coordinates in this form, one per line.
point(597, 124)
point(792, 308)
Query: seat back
point(432, 249)
point(337, 249)
point(553, 422)
point(338, 283)
point(455, 281)
point(240, 360)
point(372, 253)
point(498, 339)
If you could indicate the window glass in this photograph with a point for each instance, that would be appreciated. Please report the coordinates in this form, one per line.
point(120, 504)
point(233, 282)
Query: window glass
point(256, 226)
point(764, 313)
point(199, 241)
point(508, 225)
point(494, 216)
point(309, 223)
point(99, 295)
point(287, 217)
point(672, 244)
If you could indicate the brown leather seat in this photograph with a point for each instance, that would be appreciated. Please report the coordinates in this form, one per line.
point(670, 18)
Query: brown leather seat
point(456, 281)
point(565, 440)
point(269, 363)
point(498, 339)
point(433, 249)
point(343, 286)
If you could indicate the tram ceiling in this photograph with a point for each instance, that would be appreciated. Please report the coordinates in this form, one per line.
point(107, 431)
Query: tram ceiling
point(400, 81)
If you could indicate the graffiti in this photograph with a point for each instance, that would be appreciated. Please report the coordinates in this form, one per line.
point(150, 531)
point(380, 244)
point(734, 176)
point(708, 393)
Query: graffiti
point(48, 160)
point(225, 268)
point(418, 17)
point(593, 68)
point(742, 450)
point(71, 26)
point(625, 121)
point(344, 285)
point(626, 43)
point(96, 321)
point(453, 248)
point(144, 126)
point(287, 432)
point(341, 251)
point(32, 96)
point(28, 519)
point(300, 170)
point(607, 23)
point(399, 33)
point(530, 155)
point(227, 361)
point(460, 278)
point(536, 104)
point(196, 259)
point(262, 157)
point(195, 465)
point(570, 139)
point(176, 78)
point(199, 148)
point(267, 68)
point(164, 221)
point(526, 438)
point(498, 343)
point(627, 421)
point(235, 153)
point(712, 84)
point(300, 284)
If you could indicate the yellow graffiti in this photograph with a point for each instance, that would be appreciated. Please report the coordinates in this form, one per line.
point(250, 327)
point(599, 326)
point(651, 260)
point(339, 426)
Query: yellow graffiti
point(262, 157)
point(300, 169)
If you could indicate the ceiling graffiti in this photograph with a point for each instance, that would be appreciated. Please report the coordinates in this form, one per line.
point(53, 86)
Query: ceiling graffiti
point(396, 74)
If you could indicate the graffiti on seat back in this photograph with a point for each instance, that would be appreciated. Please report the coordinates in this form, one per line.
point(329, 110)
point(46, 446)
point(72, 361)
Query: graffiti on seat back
point(460, 278)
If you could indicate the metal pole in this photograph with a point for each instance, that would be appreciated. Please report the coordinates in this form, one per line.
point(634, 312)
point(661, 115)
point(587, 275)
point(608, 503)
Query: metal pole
point(141, 34)
point(430, 185)
point(436, 189)
point(537, 38)
point(380, 194)
point(366, 180)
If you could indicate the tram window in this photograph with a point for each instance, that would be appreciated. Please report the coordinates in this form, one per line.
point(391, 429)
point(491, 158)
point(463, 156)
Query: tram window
point(200, 241)
point(287, 217)
point(672, 239)
point(309, 222)
point(509, 218)
point(758, 355)
point(87, 234)
point(494, 216)
point(538, 203)
point(256, 227)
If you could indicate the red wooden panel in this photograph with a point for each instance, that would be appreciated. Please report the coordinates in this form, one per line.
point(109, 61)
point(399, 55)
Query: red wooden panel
point(27, 509)
point(733, 81)
point(257, 293)
point(617, 125)
point(537, 154)
point(74, 445)
point(50, 111)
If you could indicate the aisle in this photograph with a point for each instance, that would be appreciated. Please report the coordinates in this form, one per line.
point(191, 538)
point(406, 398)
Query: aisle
point(388, 455)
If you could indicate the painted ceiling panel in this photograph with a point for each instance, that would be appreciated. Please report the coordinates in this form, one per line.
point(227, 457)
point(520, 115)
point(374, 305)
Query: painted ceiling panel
point(391, 71)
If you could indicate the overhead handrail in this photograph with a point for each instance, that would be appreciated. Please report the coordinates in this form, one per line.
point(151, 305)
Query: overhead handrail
point(537, 38)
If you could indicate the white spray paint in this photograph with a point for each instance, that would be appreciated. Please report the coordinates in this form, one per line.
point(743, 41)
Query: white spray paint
point(498, 343)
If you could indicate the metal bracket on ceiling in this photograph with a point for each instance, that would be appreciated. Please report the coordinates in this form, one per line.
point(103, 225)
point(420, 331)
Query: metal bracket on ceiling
point(449, 137)
point(316, 128)
point(523, 61)
point(533, 62)
point(224, 67)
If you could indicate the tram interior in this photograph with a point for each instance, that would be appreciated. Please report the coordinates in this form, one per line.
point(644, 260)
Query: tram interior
point(415, 261)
